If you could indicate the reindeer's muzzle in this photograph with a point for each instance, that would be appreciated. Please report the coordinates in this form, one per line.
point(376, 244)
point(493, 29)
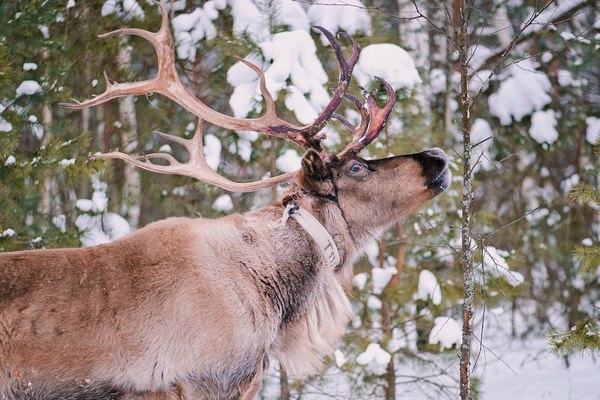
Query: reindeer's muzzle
point(435, 169)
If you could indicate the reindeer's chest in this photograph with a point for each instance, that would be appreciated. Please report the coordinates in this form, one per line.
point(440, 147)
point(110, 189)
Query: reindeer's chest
point(288, 288)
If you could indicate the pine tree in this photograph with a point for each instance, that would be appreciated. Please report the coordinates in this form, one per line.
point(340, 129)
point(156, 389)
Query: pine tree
point(584, 335)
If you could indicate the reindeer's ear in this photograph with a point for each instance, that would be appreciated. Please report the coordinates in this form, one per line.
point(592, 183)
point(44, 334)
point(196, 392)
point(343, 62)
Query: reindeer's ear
point(314, 167)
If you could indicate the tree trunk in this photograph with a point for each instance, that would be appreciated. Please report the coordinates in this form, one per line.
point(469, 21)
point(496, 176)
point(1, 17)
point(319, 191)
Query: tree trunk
point(386, 313)
point(48, 181)
point(131, 199)
point(46, 205)
point(462, 43)
point(284, 387)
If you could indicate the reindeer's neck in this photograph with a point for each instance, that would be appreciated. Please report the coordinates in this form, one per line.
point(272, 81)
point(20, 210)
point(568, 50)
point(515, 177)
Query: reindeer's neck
point(317, 311)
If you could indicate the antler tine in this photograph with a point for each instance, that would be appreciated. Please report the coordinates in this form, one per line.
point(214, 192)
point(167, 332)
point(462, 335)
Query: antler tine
point(163, 45)
point(365, 118)
point(269, 102)
point(196, 167)
point(346, 67)
point(377, 118)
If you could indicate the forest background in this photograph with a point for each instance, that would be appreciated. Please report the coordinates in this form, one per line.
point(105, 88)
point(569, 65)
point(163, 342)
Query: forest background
point(533, 76)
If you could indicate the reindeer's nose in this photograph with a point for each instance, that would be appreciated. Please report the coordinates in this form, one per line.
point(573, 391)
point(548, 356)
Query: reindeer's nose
point(434, 161)
point(435, 168)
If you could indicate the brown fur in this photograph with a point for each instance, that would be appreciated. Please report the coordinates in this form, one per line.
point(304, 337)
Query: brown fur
point(188, 308)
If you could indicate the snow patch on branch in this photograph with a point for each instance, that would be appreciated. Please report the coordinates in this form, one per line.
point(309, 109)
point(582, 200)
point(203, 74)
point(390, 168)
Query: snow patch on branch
point(96, 224)
point(494, 263)
point(193, 27)
point(543, 127)
point(481, 132)
point(7, 233)
point(447, 332)
point(289, 161)
point(428, 288)
point(387, 61)
point(524, 92)
point(374, 352)
point(553, 11)
point(291, 66)
point(126, 9)
point(350, 16)
point(381, 277)
point(223, 203)
point(592, 133)
point(28, 87)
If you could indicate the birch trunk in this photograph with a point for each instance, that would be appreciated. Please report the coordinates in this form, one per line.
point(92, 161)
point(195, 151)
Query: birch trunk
point(48, 181)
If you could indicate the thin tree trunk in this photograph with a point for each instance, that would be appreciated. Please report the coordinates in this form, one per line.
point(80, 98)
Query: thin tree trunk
point(388, 329)
point(386, 313)
point(82, 190)
point(448, 95)
point(284, 387)
point(48, 181)
point(131, 199)
point(462, 42)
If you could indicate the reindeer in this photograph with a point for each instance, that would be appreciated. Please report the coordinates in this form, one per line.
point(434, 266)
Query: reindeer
point(189, 308)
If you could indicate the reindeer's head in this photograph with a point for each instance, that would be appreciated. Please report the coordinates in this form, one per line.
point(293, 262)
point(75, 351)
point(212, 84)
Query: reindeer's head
point(375, 193)
point(393, 186)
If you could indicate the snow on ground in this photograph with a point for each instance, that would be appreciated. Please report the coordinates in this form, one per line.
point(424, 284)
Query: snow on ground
point(539, 375)
point(527, 370)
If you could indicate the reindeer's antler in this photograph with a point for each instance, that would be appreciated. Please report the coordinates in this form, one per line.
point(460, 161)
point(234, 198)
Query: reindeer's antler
point(168, 83)
point(372, 122)
point(196, 167)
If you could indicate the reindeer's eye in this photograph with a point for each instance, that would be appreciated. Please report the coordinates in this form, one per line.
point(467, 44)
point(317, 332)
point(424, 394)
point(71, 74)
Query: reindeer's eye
point(355, 168)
